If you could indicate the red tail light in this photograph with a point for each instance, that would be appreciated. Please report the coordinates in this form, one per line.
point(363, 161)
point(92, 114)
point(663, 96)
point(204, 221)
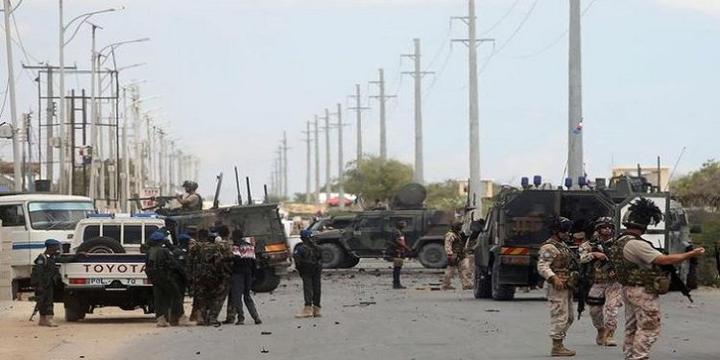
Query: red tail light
point(77, 281)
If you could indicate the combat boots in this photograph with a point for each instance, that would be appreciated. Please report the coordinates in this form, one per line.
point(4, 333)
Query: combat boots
point(183, 321)
point(559, 350)
point(46, 320)
point(316, 311)
point(609, 341)
point(162, 322)
point(601, 336)
point(307, 312)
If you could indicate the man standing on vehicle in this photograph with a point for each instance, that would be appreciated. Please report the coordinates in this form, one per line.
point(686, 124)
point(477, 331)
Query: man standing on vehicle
point(556, 264)
point(637, 264)
point(455, 250)
point(308, 263)
point(397, 250)
point(190, 200)
point(44, 277)
point(605, 296)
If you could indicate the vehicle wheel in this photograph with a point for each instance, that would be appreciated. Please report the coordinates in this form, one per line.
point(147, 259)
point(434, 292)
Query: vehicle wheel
point(433, 256)
point(333, 256)
point(75, 309)
point(501, 292)
point(265, 280)
point(350, 261)
point(101, 245)
point(483, 284)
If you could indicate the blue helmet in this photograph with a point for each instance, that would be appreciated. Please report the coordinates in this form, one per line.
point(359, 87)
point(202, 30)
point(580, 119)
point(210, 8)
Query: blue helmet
point(306, 234)
point(157, 236)
point(51, 242)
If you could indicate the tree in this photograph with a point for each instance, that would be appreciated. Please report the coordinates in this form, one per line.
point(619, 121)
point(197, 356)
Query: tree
point(700, 188)
point(445, 195)
point(374, 178)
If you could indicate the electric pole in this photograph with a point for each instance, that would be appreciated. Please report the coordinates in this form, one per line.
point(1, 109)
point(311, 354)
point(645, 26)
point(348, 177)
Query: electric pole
point(475, 183)
point(575, 119)
point(327, 154)
point(17, 161)
point(317, 161)
point(341, 166)
point(382, 98)
point(418, 75)
point(308, 169)
point(358, 112)
point(49, 127)
point(285, 165)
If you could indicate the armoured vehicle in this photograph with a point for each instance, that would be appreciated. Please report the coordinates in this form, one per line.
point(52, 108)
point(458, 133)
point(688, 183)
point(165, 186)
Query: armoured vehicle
point(365, 236)
point(517, 224)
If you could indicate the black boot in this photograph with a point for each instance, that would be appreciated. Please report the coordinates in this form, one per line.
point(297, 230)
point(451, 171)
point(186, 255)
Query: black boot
point(396, 278)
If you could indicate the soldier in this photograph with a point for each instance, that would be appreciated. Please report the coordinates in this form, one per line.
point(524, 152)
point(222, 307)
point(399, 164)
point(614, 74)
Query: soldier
point(213, 271)
point(243, 272)
point(179, 275)
point(44, 277)
point(161, 269)
point(193, 266)
point(556, 264)
point(605, 296)
point(190, 200)
point(397, 250)
point(455, 250)
point(637, 264)
point(308, 263)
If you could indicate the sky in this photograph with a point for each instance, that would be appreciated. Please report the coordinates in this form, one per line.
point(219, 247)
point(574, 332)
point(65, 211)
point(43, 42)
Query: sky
point(230, 76)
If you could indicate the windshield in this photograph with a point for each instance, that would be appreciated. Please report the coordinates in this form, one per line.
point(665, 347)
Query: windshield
point(61, 215)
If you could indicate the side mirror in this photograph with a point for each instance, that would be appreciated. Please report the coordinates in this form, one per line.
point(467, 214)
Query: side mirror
point(696, 229)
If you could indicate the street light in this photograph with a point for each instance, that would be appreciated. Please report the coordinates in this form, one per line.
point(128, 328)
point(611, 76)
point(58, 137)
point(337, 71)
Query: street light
point(61, 44)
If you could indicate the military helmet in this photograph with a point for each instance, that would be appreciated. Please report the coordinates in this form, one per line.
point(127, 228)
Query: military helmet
point(157, 236)
point(560, 224)
point(641, 213)
point(191, 185)
point(306, 234)
point(51, 242)
point(604, 221)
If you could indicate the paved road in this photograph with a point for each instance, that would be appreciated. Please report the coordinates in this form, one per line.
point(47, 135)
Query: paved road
point(417, 323)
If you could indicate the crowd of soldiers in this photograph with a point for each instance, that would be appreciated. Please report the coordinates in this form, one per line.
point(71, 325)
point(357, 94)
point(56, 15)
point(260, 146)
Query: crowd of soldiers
point(624, 270)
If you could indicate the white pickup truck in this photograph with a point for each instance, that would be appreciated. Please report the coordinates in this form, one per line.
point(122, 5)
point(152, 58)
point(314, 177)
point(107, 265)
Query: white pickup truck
point(107, 268)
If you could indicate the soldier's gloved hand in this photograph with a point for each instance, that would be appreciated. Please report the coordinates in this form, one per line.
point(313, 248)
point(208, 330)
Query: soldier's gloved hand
point(557, 283)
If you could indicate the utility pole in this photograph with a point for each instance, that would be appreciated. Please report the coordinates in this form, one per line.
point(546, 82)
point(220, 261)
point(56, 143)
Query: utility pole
point(472, 42)
point(93, 116)
point(49, 127)
point(575, 118)
point(308, 169)
point(358, 112)
point(341, 166)
point(382, 98)
point(17, 161)
point(327, 154)
point(317, 161)
point(285, 165)
point(418, 75)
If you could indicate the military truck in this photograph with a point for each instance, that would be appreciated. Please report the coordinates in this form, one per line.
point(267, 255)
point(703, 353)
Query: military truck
point(367, 234)
point(517, 224)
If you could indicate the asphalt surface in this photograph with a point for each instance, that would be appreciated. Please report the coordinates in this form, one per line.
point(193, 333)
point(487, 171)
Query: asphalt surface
point(364, 319)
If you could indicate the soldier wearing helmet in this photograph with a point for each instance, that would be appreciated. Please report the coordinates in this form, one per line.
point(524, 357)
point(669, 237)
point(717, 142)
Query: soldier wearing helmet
point(397, 250)
point(556, 263)
point(455, 244)
point(308, 262)
point(605, 295)
point(637, 264)
point(190, 200)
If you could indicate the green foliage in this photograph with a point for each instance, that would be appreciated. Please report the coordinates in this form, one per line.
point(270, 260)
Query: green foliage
point(700, 188)
point(445, 196)
point(373, 178)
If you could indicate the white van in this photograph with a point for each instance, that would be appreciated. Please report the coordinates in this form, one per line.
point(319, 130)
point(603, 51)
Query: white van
point(30, 219)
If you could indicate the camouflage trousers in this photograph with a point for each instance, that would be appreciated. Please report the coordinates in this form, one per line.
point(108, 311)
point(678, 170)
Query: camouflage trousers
point(605, 316)
point(210, 301)
point(642, 322)
point(561, 311)
point(464, 270)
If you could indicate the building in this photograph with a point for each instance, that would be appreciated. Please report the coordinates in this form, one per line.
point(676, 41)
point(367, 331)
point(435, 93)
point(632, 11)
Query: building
point(488, 186)
point(651, 173)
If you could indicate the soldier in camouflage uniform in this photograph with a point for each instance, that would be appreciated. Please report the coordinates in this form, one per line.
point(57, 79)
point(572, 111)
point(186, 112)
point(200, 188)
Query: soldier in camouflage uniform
point(44, 278)
point(556, 263)
point(605, 296)
point(637, 264)
point(397, 250)
point(212, 268)
point(455, 250)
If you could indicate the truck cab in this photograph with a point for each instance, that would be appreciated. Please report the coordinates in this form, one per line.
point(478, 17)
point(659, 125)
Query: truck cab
point(28, 219)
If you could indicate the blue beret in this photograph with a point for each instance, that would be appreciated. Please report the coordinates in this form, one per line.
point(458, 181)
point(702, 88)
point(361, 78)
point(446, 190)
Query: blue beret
point(51, 242)
point(157, 236)
point(306, 234)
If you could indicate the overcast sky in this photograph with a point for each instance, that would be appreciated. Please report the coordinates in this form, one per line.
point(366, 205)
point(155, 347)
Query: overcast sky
point(232, 75)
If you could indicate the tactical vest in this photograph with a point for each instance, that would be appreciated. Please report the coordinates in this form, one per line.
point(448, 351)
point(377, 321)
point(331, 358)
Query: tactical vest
point(654, 280)
point(457, 245)
point(564, 265)
point(601, 273)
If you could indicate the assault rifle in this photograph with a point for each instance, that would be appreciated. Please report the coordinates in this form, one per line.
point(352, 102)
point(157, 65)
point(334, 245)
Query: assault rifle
point(35, 311)
point(160, 201)
point(676, 284)
point(586, 280)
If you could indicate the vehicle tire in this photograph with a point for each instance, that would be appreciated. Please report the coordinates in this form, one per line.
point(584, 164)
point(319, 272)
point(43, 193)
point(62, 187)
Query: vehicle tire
point(265, 280)
point(101, 245)
point(333, 256)
point(350, 262)
point(501, 292)
point(483, 284)
point(433, 256)
point(75, 309)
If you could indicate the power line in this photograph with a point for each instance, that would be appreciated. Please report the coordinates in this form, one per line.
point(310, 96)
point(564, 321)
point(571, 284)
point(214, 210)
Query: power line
point(511, 37)
point(503, 18)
